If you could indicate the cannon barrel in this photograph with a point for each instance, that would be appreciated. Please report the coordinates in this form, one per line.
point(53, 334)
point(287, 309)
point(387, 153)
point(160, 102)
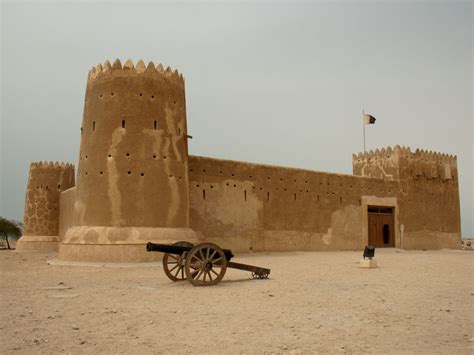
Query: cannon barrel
point(178, 250)
point(166, 248)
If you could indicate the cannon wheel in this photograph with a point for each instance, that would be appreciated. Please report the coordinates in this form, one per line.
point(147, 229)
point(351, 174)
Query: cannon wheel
point(206, 265)
point(173, 265)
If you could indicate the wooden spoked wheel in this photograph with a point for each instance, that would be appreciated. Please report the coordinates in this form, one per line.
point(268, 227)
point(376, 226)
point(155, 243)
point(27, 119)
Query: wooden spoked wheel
point(205, 265)
point(173, 265)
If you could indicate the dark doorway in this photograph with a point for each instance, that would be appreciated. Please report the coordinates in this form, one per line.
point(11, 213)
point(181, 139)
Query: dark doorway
point(381, 231)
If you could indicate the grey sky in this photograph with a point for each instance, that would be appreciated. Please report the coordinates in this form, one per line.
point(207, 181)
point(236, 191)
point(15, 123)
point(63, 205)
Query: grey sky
point(280, 83)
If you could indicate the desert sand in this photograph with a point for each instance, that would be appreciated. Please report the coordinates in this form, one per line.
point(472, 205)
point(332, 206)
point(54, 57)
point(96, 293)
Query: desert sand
point(414, 302)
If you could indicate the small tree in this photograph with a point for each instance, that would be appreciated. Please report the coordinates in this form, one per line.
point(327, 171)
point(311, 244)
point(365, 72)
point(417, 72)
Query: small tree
point(8, 228)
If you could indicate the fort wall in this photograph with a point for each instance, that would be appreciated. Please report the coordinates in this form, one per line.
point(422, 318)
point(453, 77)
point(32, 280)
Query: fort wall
point(46, 181)
point(66, 211)
point(257, 207)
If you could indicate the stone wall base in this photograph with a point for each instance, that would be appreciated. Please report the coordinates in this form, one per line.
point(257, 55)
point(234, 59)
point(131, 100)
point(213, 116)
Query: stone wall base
point(119, 244)
point(431, 240)
point(37, 243)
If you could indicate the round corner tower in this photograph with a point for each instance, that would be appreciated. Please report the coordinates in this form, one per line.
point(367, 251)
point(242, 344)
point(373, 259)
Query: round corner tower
point(46, 181)
point(132, 179)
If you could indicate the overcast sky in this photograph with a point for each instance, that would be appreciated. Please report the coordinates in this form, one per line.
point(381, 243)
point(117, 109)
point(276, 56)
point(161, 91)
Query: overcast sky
point(270, 82)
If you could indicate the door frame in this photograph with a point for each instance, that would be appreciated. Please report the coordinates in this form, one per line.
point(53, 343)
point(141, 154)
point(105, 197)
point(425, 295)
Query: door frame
point(392, 202)
point(380, 216)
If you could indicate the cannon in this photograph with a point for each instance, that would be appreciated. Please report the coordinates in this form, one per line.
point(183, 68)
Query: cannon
point(202, 265)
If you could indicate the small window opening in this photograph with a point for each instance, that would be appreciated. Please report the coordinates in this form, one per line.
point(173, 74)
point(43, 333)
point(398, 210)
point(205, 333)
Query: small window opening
point(93, 126)
point(295, 196)
point(154, 156)
point(142, 174)
point(179, 131)
point(128, 154)
point(129, 173)
point(111, 94)
point(101, 172)
point(59, 186)
point(268, 196)
point(110, 155)
point(318, 198)
point(203, 194)
point(140, 94)
point(340, 200)
point(245, 195)
point(123, 123)
point(155, 125)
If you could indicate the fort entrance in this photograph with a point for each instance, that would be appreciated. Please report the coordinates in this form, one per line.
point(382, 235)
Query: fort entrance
point(381, 227)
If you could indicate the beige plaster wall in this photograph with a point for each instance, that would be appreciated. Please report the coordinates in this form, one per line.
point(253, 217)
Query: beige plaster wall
point(133, 157)
point(428, 196)
point(246, 206)
point(45, 183)
point(66, 211)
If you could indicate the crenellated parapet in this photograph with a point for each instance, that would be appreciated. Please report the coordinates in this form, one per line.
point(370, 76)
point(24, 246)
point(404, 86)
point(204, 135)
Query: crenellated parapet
point(428, 165)
point(380, 163)
point(400, 163)
point(157, 72)
point(46, 181)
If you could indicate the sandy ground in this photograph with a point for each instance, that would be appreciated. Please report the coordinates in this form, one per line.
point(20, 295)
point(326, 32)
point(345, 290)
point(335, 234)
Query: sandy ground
point(418, 301)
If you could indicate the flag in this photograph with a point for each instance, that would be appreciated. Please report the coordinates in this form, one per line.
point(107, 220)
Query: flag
point(368, 119)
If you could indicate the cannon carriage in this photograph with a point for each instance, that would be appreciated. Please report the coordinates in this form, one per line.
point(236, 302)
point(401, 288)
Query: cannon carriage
point(202, 265)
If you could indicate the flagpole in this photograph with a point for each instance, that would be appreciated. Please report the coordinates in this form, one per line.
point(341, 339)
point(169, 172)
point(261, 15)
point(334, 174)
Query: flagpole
point(363, 125)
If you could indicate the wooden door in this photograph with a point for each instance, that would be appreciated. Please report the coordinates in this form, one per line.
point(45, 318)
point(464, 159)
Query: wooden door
point(373, 229)
point(381, 227)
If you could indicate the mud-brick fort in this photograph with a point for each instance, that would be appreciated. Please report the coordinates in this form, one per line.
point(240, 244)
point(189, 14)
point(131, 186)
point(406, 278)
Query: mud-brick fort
point(136, 183)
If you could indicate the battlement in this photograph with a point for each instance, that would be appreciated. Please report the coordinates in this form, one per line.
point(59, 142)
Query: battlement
point(430, 156)
point(401, 163)
point(406, 152)
point(51, 164)
point(116, 69)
